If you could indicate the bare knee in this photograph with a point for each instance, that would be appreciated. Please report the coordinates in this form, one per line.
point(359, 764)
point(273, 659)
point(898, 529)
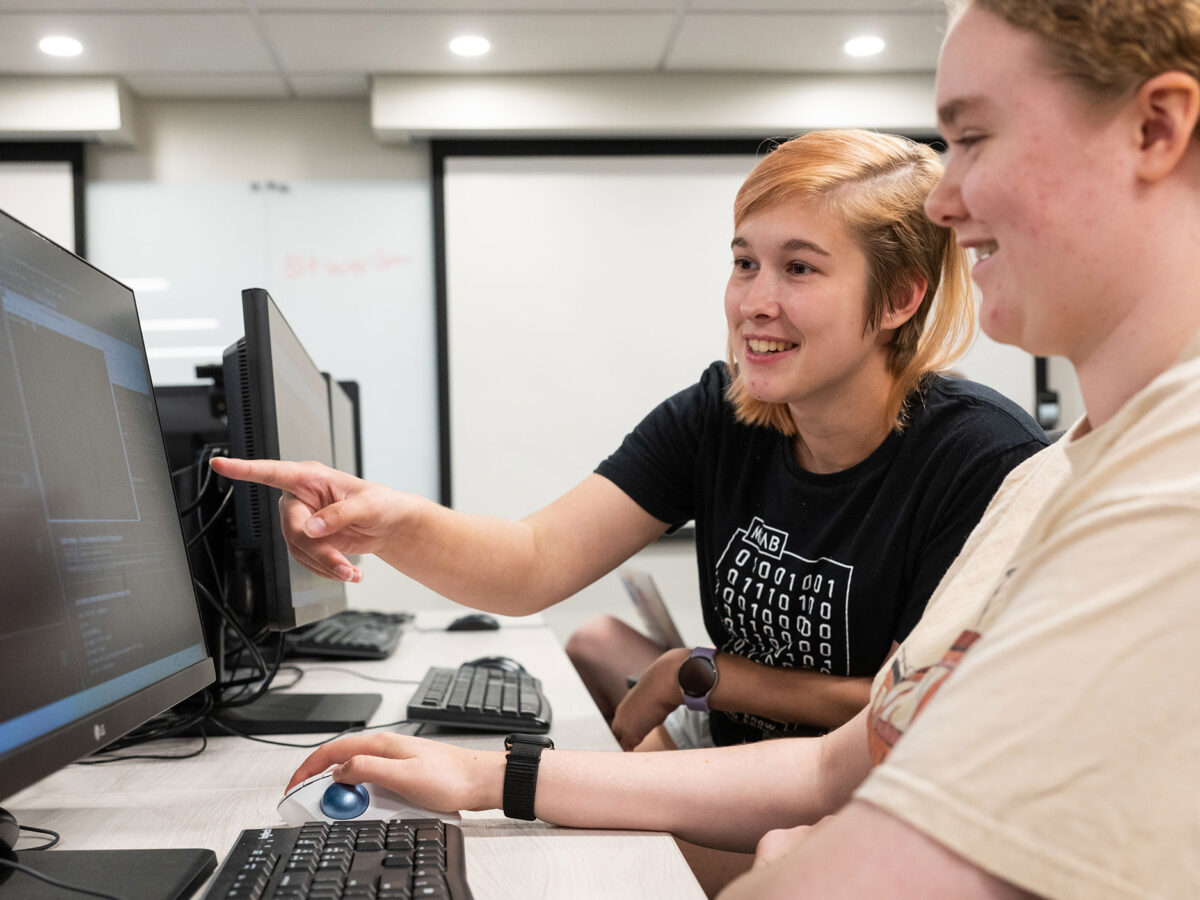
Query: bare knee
point(595, 639)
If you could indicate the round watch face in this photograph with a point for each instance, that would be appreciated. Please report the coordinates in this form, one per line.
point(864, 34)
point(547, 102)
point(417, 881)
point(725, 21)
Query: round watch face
point(697, 676)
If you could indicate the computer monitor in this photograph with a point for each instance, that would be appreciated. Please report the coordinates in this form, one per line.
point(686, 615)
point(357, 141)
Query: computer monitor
point(343, 416)
point(278, 408)
point(101, 629)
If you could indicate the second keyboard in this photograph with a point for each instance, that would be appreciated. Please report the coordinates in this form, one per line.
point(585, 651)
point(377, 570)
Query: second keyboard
point(481, 698)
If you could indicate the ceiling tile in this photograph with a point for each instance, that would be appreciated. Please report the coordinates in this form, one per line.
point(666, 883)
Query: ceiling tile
point(417, 43)
point(133, 43)
point(805, 43)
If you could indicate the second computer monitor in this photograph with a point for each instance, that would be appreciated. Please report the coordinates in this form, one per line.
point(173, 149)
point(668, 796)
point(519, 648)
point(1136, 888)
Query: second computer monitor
point(278, 408)
point(343, 416)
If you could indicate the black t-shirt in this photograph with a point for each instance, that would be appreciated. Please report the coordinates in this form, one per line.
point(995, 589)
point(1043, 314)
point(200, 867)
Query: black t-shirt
point(822, 572)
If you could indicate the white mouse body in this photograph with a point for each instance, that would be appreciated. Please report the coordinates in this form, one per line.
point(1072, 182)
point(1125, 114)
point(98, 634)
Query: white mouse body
point(321, 799)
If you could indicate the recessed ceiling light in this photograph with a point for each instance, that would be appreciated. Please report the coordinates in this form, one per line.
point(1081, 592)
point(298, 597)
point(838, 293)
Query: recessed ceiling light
point(867, 45)
point(60, 45)
point(470, 45)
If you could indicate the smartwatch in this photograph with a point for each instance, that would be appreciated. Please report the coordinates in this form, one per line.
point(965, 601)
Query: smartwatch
point(521, 772)
point(697, 678)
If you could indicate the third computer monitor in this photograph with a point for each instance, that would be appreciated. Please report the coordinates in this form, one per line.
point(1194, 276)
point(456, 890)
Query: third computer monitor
point(343, 416)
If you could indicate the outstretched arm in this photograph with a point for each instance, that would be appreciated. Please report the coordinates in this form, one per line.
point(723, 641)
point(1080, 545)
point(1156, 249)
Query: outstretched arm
point(727, 797)
point(504, 566)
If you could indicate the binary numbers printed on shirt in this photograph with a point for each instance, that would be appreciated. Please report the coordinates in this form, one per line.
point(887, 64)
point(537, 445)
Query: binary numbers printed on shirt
point(780, 608)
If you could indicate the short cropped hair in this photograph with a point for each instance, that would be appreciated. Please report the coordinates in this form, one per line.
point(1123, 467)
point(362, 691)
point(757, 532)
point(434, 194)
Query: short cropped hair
point(876, 184)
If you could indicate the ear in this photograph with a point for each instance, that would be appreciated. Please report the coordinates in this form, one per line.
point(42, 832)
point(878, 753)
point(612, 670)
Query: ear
point(905, 305)
point(1167, 106)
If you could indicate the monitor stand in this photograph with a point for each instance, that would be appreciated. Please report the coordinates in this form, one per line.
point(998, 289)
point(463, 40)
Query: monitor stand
point(286, 713)
point(151, 874)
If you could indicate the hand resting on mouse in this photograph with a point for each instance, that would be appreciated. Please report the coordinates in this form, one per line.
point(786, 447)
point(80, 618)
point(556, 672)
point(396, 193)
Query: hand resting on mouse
point(426, 773)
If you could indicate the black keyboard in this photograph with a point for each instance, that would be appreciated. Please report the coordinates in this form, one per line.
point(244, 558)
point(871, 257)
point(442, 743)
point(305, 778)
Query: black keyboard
point(482, 698)
point(370, 859)
point(349, 634)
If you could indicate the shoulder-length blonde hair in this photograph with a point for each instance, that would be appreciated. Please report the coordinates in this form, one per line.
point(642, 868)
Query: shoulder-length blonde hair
point(877, 185)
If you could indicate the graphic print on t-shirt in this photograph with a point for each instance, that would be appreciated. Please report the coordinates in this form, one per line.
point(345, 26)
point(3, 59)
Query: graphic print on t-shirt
point(905, 694)
point(782, 609)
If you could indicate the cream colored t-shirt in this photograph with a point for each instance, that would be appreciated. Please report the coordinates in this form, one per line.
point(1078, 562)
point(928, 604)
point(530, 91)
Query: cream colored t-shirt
point(1050, 722)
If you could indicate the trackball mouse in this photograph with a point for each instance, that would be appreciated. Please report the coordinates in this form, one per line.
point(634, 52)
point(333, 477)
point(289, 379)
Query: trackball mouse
point(321, 799)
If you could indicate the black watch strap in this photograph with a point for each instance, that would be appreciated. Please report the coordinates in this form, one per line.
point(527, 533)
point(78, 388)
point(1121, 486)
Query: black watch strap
point(521, 772)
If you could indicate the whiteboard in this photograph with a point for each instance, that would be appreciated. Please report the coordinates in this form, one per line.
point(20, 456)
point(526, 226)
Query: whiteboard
point(580, 292)
point(349, 264)
point(42, 195)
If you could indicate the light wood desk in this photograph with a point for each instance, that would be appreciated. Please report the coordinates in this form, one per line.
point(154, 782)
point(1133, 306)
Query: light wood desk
point(236, 783)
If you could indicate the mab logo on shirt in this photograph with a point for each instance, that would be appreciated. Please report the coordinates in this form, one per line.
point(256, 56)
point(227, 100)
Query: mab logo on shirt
point(769, 541)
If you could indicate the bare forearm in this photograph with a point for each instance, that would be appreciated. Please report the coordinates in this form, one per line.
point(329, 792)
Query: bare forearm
point(483, 562)
point(787, 695)
point(520, 567)
point(726, 797)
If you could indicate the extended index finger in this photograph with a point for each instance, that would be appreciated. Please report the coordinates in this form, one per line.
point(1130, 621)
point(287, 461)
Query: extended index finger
point(282, 474)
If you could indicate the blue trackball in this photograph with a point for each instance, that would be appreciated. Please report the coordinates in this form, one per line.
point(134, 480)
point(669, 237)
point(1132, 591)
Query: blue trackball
point(344, 801)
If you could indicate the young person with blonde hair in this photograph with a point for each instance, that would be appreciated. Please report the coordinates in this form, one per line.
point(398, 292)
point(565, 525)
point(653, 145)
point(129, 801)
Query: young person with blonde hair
point(832, 474)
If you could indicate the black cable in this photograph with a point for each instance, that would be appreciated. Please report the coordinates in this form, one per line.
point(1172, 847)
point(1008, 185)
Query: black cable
point(359, 675)
point(54, 836)
point(211, 523)
point(33, 873)
point(112, 759)
point(228, 618)
point(197, 500)
point(296, 670)
point(353, 730)
point(268, 677)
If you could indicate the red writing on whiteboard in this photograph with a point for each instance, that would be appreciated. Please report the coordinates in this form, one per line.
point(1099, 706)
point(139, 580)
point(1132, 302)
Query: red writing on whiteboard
point(311, 265)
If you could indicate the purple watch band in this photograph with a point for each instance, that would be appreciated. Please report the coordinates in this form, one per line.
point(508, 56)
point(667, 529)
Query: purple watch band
point(697, 678)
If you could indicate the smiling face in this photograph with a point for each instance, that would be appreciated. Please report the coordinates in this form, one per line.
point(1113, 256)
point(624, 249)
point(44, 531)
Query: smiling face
point(1032, 188)
point(796, 308)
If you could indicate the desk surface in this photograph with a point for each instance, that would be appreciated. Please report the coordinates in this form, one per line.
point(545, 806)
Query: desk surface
point(235, 783)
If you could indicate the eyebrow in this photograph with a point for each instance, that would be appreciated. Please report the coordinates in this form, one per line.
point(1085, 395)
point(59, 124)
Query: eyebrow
point(788, 245)
point(952, 109)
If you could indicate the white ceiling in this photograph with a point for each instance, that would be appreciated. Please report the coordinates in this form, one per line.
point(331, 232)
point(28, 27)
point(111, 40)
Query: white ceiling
point(330, 48)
